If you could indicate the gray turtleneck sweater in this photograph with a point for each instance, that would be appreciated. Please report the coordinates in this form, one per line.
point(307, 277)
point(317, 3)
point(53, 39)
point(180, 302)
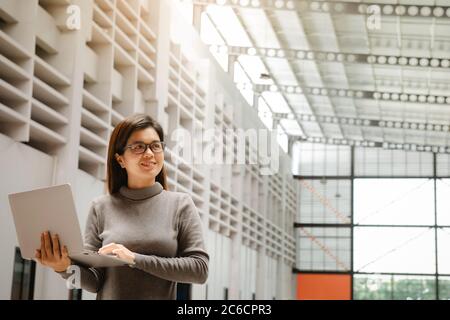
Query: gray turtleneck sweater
point(164, 231)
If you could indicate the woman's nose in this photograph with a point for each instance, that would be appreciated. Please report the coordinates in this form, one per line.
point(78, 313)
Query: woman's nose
point(148, 151)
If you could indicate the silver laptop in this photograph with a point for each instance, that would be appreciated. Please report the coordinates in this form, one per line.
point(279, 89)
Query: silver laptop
point(53, 209)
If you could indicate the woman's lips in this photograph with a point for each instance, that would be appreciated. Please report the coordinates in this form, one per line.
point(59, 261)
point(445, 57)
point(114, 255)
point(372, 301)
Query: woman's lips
point(148, 165)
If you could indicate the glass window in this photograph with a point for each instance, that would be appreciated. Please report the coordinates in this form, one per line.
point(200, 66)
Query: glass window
point(325, 201)
point(443, 250)
point(380, 162)
point(394, 249)
point(444, 288)
point(443, 165)
point(443, 201)
point(394, 234)
point(414, 288)
point(394, 201)
point(23, 278)
point(313, 159)
point(394, 287)
point(372, 287)
point(323, 249)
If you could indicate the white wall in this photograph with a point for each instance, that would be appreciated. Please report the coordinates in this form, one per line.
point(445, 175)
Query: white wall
point(86, 188)
point(21, 168)
point(219, 273)
point(248, 274)
point(26, 168)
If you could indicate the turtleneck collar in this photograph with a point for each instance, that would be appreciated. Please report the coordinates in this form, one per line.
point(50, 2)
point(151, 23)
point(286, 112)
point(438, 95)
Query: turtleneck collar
point(142, 193)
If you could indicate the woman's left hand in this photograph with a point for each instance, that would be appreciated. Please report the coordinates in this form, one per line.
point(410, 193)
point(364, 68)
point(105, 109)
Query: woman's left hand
point(118, 250)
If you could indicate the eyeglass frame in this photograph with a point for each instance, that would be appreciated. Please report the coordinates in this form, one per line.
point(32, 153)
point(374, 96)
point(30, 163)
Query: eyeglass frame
point(147, 146)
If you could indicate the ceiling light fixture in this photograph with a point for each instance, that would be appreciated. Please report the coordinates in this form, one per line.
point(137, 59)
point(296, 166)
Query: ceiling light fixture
point(388, 9)
point(400, 10)
point(381, 59)
point(413, 11)
point(438, 12)
point(279, 4)
point(251, 51)
point(290, 5)
point(425, 11)
point(413, 61)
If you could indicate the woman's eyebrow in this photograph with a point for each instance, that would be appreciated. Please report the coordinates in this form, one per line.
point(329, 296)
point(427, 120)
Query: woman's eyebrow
point(140, 141)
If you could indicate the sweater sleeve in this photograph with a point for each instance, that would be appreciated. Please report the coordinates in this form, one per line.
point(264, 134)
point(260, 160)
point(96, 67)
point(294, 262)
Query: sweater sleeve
point(191, 263)
point(92, 279)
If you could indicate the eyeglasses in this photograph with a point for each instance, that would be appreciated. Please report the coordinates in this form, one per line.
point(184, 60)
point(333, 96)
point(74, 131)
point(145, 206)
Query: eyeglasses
point(140, 147)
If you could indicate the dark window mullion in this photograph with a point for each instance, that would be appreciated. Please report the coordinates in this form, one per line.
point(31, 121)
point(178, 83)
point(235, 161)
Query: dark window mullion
point(435, 226)
point(23, 278)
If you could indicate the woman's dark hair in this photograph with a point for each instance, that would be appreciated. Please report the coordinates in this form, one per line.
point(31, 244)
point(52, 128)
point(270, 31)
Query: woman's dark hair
point(116, 175)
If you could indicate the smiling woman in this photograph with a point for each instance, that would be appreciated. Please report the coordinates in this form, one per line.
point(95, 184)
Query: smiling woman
point(128, 146)
point(158, 232)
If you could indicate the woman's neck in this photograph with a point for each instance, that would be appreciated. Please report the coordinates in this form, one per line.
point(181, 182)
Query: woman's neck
point(133, 184)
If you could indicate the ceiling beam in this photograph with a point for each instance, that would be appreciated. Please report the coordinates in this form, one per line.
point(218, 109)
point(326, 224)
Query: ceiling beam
point(337, 7)
point(324, 56)
point(373, 144)
point(347, 93)
point(366, 122)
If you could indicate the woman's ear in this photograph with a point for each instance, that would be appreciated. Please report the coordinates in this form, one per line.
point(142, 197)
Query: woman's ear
point(119, 160)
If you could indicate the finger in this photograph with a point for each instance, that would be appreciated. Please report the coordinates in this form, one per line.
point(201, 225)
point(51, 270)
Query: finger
point(118, 253)
point(106, 251)
point(42, 250)
point(48, 245)
point(109, 245)
point(108, 248)
point(65, 252)
point(55, 246)
point(37, 255)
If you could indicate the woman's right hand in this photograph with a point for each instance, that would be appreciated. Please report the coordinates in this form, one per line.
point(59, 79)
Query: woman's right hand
point(51, 255)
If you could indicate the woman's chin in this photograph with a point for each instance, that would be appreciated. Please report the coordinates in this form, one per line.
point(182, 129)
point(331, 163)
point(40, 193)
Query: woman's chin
point(147, 172)
point(147, 168)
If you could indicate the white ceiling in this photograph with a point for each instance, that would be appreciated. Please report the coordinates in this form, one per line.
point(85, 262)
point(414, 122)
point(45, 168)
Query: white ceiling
point(318, 30)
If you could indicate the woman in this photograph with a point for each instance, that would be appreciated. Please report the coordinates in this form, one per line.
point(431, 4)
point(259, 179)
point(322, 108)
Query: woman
point(158, 232)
